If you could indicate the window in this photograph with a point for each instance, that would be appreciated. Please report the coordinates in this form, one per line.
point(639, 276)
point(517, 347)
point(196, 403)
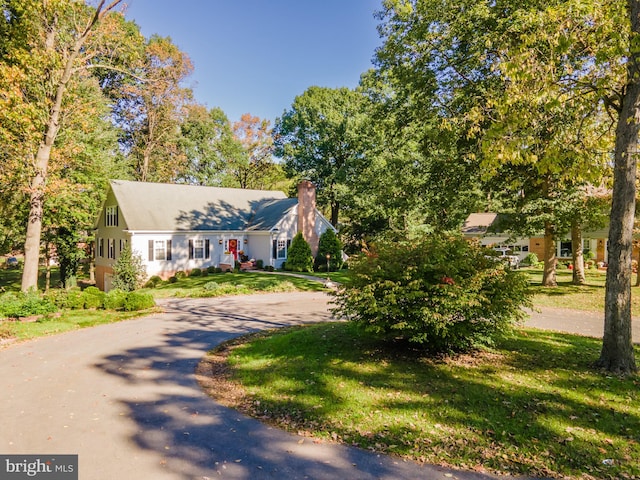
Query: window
point(199, 249)
point(101, 247)
point(111, 248)
point(280, 248)
point(111, 216)
point(159, 250)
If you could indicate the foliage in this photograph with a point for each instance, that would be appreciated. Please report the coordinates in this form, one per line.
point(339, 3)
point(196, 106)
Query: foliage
point(329, 244)
point(93, 297)
point(138, 301)
point(129, 271)
point(299, 258)
point(196, 272)
point(115, 299)
point(154, 281)
point(439, 292)
point(25, 304)
point(319, 140)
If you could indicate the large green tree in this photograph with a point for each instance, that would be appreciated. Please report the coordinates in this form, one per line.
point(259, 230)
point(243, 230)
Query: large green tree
point(319, 138)
point(49, 49)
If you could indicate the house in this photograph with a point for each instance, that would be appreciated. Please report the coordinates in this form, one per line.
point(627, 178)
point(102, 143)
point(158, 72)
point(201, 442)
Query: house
point(486, 227)
point(182, 227)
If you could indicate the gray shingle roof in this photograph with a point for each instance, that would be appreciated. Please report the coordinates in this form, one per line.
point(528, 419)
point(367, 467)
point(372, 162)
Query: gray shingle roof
point(170, 207)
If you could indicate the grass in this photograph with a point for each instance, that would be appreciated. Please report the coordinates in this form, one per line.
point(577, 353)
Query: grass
point(234, 283)
point(533, 406)
point(588, 297)
point(67, 321)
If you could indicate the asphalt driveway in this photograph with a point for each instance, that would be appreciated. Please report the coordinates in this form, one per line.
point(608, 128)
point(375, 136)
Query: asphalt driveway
point(124, 398)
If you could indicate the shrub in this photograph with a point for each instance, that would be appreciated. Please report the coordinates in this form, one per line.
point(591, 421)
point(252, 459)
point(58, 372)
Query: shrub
point(531, 259)
point(180, 274)
point(204, 272)
point(329, 244)
point(93, 298)
point(260, 264)
point(173, 279)
point(138, 301)
point(212, 269)
point(153, 282)
point(211, 286)
point(196, 272)
point(75, 299)
point(115, 299)
point(25, 304)
point(440, 292)
point(128, 271)
point(299, 258)
point(269, 268)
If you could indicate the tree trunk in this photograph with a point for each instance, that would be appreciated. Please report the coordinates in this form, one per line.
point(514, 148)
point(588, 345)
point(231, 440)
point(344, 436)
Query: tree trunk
point(549, 274)
point(577, 254)
point(617, 348)
point(638, 270)
point(39, 180)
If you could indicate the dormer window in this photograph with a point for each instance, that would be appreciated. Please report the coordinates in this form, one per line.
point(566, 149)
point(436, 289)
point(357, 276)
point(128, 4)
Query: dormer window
point(111, 216)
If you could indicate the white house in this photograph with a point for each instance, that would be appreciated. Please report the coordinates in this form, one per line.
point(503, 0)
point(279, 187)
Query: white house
point(182, 227)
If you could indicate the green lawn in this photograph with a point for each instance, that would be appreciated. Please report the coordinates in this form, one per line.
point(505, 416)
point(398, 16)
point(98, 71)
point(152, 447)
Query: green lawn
point(532, 406)
point(579, 297)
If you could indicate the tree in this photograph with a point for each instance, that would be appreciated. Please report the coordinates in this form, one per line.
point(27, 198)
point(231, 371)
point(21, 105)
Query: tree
point(299, 258)
point(129, 272)
point(50, 52)
point(253, 166)
point(208, 145)
point(151, 108)
point(319, 140)
point(329, 251)
point(617, 354)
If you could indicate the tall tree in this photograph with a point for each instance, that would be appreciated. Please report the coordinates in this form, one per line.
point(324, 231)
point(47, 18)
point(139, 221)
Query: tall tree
point(208, 145)
point(319, 139)
point(52, 48)
point(254, 166)
point(151, 108)
point(617, 353)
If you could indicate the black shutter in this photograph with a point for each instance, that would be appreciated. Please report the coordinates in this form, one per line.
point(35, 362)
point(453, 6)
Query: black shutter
point(190, 249)
point(151, 250)
point(168, 249)
point(275, 249)
point(207, 247)
point(117, 216)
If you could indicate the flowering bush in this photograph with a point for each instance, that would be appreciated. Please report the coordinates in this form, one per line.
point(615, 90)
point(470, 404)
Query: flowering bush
point(440, 292)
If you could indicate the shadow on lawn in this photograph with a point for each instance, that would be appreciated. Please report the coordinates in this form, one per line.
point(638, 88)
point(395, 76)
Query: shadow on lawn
point(566, 421)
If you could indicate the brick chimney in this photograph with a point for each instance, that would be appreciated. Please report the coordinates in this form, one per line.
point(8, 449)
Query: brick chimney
point(307, 214)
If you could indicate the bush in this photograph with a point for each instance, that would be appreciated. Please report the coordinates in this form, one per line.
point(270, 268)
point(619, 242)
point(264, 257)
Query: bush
point(138, 301)
point(75, 299)
point(299, 258)
point(211, 286)
point(153, 282)
point(329, 244)
point(440, 292)
point(259, 264)
point(269, 268)
point(212, 269)
point(93, 298)
point(18, 305)
point(531, 259)
point(115, 300)
point(129, 271)
point(173, 279)
point(204, 272)
point(180, 274)
point(196, 272)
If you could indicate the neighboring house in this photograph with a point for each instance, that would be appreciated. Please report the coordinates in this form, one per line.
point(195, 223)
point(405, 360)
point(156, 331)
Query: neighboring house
point(182, 227)
point(486, 228)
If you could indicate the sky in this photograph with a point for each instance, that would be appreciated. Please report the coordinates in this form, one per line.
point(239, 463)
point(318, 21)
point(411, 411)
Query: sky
point(256, 56)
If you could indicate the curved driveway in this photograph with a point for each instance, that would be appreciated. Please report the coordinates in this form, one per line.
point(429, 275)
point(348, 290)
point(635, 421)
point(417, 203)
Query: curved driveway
point(125, 399)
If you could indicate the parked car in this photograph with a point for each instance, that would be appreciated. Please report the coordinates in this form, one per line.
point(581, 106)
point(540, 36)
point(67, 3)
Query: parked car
point(12, 262)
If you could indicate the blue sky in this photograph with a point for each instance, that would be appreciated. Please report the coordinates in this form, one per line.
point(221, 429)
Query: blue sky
point(256, 56)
